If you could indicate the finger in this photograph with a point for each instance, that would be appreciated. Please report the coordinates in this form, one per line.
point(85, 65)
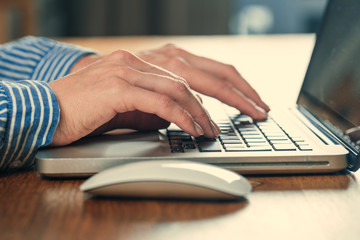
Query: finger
point(213, 86)
point(176, 89)
point(228, 72)
point(222, 71)
point(162, 106)
point(227, 93)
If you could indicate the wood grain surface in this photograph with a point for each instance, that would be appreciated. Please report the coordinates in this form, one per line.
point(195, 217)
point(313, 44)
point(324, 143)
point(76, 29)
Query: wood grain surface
point(280, 207)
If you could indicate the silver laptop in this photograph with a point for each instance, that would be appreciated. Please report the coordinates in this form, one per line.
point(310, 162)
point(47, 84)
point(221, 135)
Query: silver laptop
point(318, 135)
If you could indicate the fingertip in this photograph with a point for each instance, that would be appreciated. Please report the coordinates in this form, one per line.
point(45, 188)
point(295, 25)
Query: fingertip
point(266, 107)
point(262, 105)
point(261, 113)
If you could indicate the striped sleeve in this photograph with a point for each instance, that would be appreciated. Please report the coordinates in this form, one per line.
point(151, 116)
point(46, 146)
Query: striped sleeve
point(29, 116)
point(29, 111)
point(37, 58)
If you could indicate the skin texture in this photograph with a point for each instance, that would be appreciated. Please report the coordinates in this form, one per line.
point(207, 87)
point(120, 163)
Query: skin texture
point(147, 91)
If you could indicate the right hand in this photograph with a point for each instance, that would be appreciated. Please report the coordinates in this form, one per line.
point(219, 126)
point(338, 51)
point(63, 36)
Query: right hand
point(122, 91)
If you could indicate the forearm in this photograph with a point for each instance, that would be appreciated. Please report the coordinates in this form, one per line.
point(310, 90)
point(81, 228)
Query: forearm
point(29, 114)
point(29, 111)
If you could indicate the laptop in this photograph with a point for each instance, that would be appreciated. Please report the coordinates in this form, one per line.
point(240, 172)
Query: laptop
point(318, 135)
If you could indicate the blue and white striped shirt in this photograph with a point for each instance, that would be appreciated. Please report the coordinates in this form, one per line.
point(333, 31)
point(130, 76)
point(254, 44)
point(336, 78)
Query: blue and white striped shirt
point(29, 111)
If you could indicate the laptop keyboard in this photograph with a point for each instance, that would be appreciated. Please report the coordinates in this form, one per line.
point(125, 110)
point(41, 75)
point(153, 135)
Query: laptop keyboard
point(240, 134)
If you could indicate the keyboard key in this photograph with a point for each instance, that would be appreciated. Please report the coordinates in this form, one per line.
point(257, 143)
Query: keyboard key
point(177, 148)
point(298, 139)
point(177, 133)
point(262, 140)
point(246, 127)
point(248, 130)
point(235, 149)
point(277, 138)
point(246, 137)
point(284, 147)
point(209, 146)
point(281, 141)
point(182, 138)
point(252, 132)
point(254, 136)
point(258, 144)
point(257, 148)
point(229, 137)
point(232, 146)
point(189, 145)
point(244, 121)
point(229, 141)
point(305, 147)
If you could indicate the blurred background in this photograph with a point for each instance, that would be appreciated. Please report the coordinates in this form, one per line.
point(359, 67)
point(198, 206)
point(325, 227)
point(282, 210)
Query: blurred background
point(79, 18)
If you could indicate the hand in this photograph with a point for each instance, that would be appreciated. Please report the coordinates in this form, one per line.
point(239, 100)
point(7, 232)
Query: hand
point(123, 91)
point(206, 76)
point(211, 78)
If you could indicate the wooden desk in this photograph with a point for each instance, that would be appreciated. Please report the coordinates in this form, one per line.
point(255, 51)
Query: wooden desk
point(281, 207)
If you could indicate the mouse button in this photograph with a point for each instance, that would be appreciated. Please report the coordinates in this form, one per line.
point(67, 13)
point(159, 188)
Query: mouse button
point(160, 190)
point(208, 175)
point(206, 171)
point(121, 173)
point(103, 178)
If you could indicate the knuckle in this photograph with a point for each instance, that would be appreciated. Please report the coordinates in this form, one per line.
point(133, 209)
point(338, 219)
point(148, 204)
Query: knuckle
point(183, 81)
point(173, 49)
point(119, 70)
point(117, 84)
point(177, 51)
point(225, 87)
point(122, 55)
point(169, 45)
point(231, 69)
point(181, 87)
point(166, 102)
point(202, 115)
point(115, 73)
point(176, 63)
point(184, 117)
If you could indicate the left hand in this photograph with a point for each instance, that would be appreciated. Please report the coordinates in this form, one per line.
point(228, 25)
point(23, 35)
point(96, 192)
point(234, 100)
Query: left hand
point(210, 77)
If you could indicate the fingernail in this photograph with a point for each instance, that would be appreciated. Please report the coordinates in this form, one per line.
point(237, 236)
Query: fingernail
point(215, 128)
point(262, 112)
point(198, 129)
point(267, 108)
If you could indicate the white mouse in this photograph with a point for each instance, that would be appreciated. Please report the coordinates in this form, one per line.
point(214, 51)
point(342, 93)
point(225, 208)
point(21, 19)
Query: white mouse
point(168, 179)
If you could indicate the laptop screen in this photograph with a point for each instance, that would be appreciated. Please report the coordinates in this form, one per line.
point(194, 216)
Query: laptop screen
point(331, 89)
